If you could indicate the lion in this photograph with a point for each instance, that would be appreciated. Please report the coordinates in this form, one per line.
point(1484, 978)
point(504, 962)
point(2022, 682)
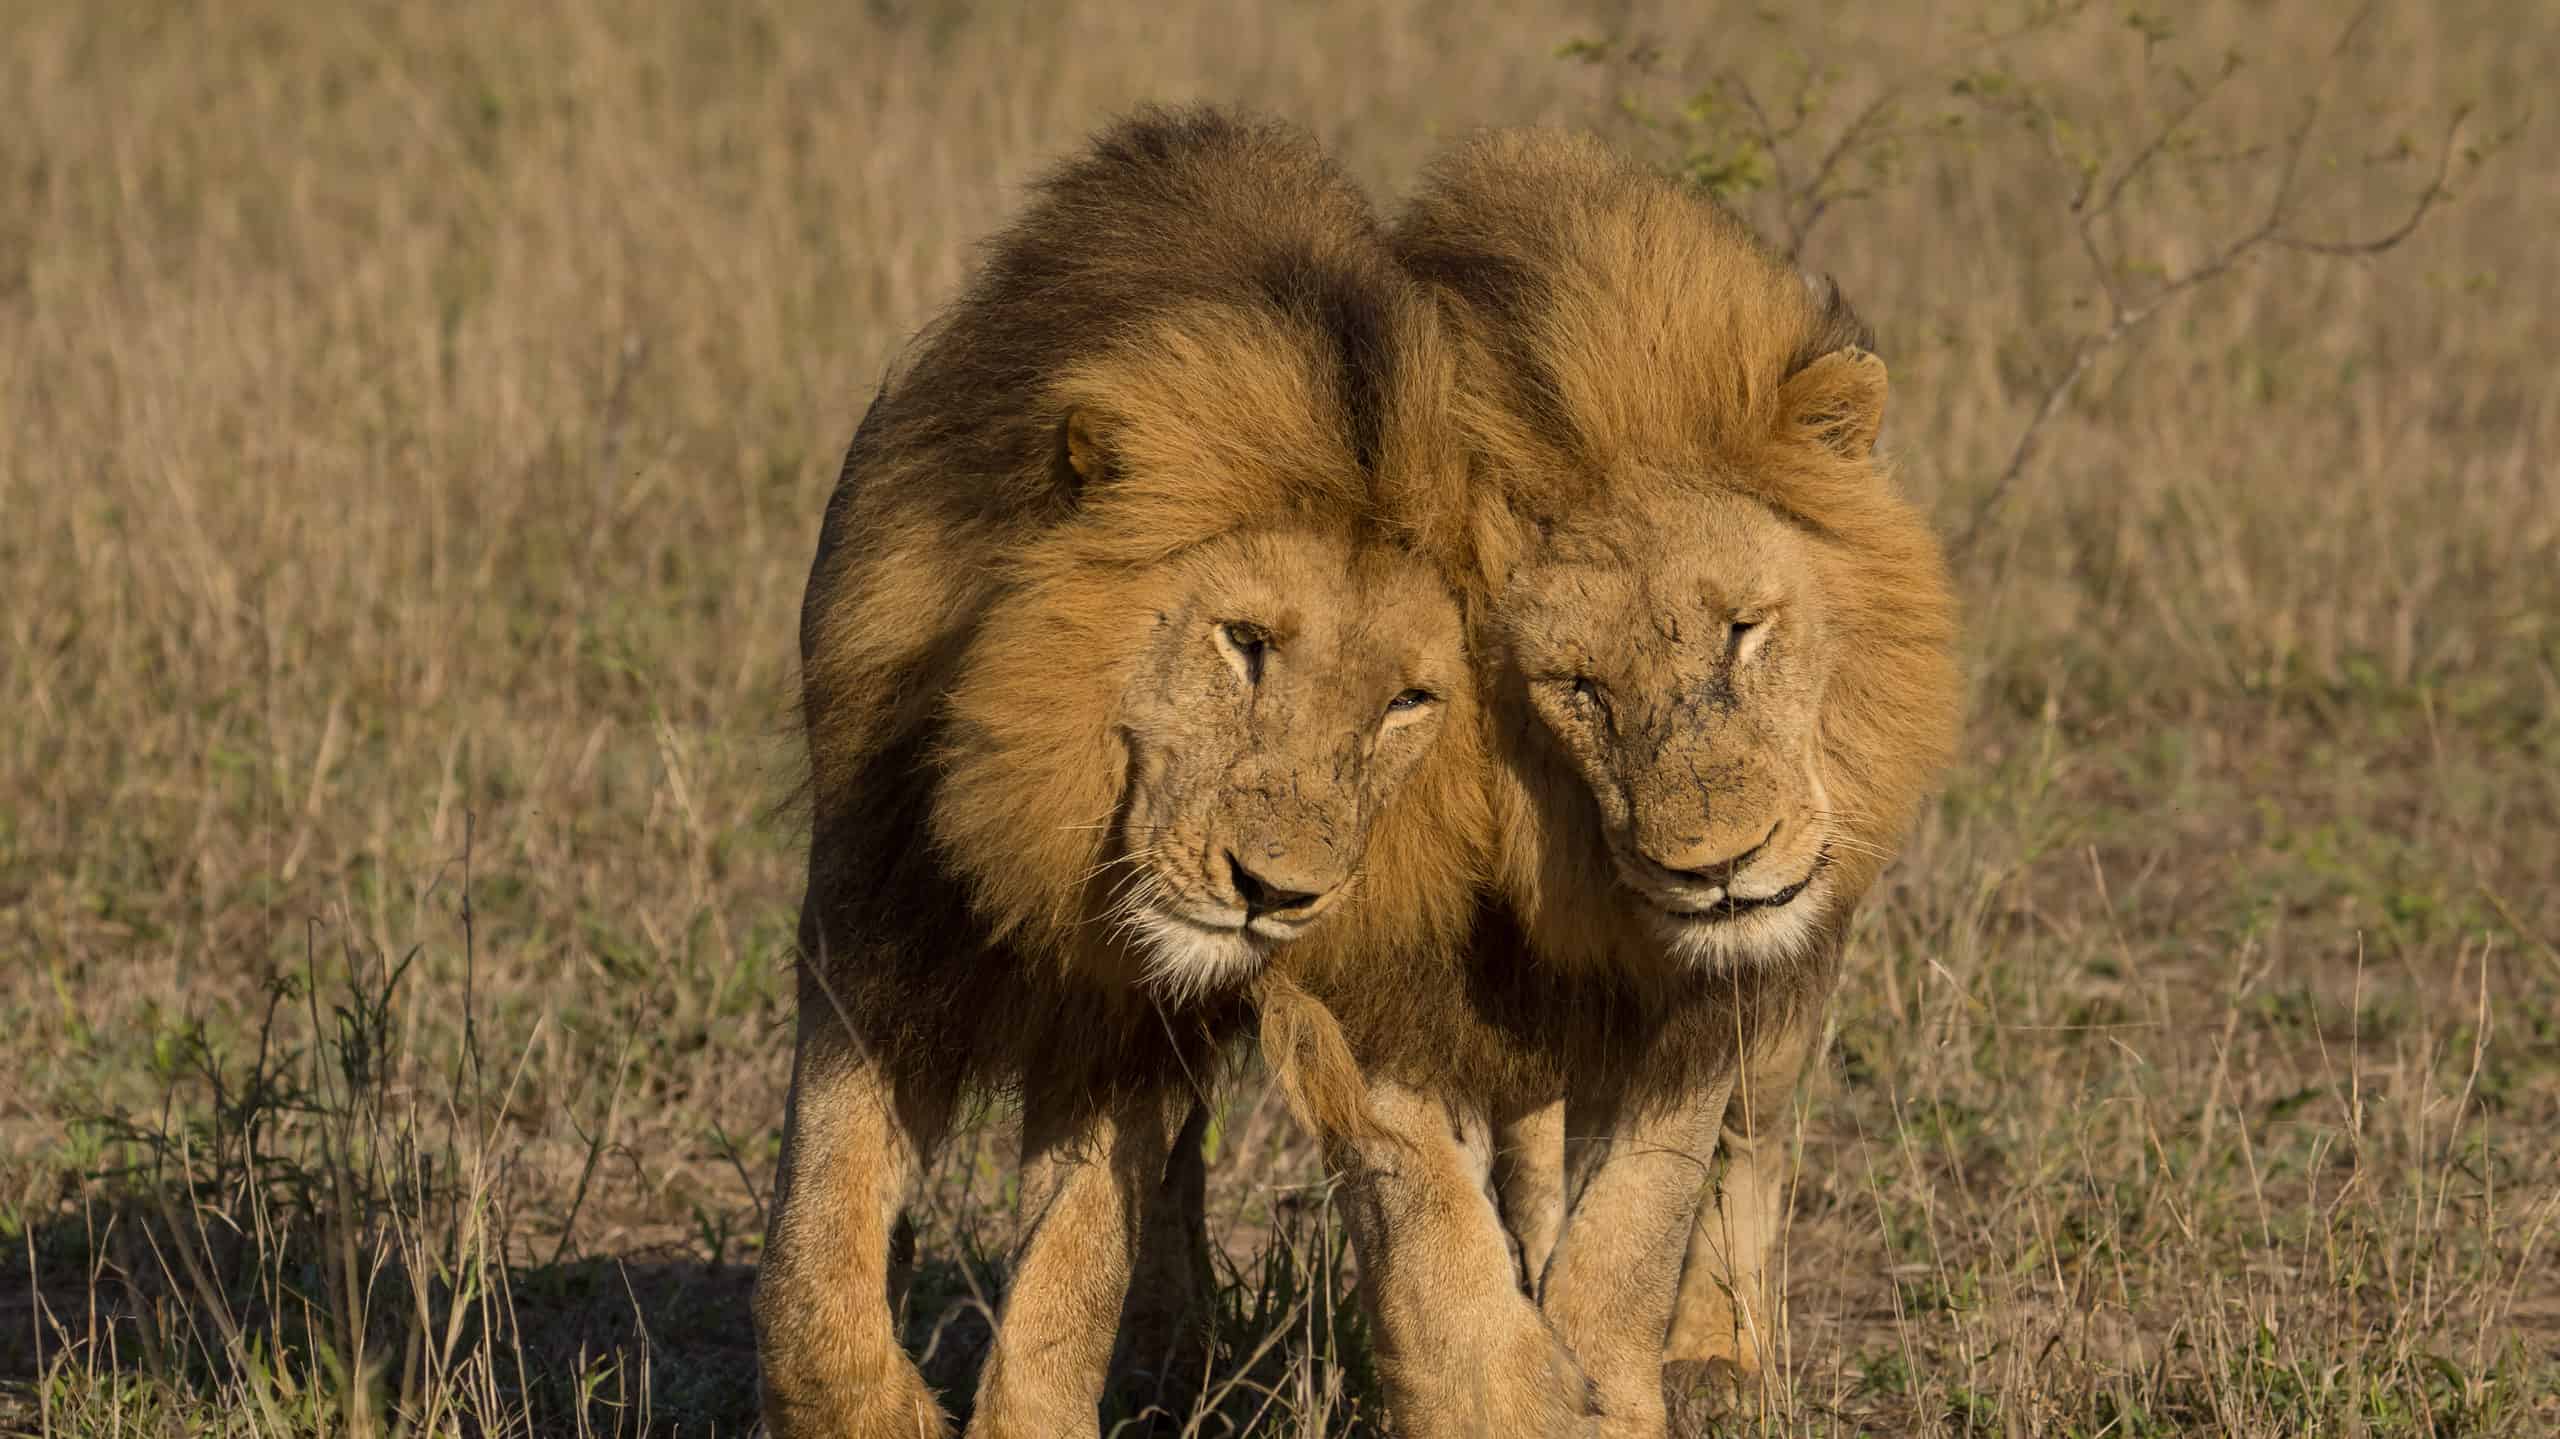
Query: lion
point(1131, 659)
point(1717, 654)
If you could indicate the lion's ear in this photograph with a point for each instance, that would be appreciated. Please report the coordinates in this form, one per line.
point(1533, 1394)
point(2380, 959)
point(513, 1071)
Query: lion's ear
point(1837, 400)
point(1082, 457)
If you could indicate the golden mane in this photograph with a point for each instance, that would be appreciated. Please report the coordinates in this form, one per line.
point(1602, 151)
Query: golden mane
point(1621, 321)
point(1700, 605)
point(1217, 299)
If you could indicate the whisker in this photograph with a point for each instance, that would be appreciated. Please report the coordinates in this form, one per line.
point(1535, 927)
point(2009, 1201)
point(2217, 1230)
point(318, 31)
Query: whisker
point(1098, 870)
point(1833, 838)
point(1130, 917)
point(1130, 898)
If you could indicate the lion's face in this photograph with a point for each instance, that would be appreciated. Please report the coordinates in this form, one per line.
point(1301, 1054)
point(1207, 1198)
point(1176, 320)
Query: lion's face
point(1172, 760)
point(1672, 644)
point(1285, 688)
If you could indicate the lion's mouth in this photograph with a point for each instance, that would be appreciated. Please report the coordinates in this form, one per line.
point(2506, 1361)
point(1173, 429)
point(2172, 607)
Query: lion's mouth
point(1191, 941)
point(1263, 932)
point(1230, 926)
point(1727, 907)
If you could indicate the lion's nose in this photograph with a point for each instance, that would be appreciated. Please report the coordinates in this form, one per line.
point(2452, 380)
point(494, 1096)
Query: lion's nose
point(1722, 871)
point(1261, 896)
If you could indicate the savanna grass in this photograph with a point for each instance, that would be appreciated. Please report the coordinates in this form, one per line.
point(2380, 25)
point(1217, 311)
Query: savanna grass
point(417, 422)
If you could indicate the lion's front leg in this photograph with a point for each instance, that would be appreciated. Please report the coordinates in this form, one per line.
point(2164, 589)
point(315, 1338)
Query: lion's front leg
point(1724, 1329)
point(1463, 1354)
point(1164, 1331)
point(1089, 1171)
point(1634, 1180)
point(853, 1147)
point(1528, 1176)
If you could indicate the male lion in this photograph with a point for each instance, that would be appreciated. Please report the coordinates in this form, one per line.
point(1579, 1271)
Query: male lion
point(1719, 673)
point(1123, 667)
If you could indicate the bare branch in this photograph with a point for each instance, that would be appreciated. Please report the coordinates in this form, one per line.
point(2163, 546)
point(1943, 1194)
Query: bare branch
point(2197, 97)
point(2047, 406)
point(1817, 198)
point(2086, 227)
point(1765, 132)
point(2296, 142)
point(2436, 193)
point(2268, 234)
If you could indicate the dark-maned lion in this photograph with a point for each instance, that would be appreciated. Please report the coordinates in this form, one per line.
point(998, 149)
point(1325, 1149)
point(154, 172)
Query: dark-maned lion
point(1720, 679)
point(1123, 668)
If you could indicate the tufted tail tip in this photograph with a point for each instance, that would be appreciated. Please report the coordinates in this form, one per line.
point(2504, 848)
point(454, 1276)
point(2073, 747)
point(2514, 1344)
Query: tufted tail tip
point(1304, 1049)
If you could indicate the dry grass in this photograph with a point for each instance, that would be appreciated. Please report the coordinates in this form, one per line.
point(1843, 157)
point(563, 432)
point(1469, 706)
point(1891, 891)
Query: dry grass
point(418, 419)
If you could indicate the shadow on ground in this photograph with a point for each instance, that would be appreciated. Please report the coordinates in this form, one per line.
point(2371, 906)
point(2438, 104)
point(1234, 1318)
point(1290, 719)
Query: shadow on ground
point(112, 1308)
point(632, 1343)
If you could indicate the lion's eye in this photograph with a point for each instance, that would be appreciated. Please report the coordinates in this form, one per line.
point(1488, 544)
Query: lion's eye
point(1411, 700)
point(1741, 635)
point(1246, 643)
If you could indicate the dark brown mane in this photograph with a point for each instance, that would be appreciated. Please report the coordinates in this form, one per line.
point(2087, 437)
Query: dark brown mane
point(1172, 209)
point(1220, 298)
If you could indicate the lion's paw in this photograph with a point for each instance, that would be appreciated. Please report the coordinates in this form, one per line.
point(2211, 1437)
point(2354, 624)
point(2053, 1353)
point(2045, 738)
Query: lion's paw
point(1700, 1392)
point(893, 1403)
point(1535, 1379)
point(907, 1411)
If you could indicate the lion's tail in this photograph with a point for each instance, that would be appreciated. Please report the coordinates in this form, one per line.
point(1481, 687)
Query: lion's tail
point(1307, 1056)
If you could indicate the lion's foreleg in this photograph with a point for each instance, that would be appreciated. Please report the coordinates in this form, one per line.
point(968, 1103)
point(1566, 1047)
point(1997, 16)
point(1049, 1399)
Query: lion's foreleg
point(1528, 1175)
point(1723, 1330)
point(1089, 1171)
point(853, 1147)
point(1460, 1350)
point(1164, 1329)
point(1634, 1181)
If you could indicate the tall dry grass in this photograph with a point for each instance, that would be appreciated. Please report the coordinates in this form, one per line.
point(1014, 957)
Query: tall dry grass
point(417, 420)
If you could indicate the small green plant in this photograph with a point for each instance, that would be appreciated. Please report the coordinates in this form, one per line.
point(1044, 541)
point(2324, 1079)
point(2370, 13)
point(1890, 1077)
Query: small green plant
point(305, 1237)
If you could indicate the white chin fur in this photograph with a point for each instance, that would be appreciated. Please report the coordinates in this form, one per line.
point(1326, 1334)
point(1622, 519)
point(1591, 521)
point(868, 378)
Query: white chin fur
point(1185, 961)
point(1769, 936)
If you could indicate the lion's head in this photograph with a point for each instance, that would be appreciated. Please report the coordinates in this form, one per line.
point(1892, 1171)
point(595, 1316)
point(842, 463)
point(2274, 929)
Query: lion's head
point(1176, 732)
point(1132, 648)
point(1261, 695)
point(1290, 685)
point(1726, 640)
point(1679, 650)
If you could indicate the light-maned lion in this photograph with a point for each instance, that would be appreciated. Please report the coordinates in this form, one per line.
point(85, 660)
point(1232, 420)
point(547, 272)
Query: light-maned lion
point(1720, 679)
point(1125, 666)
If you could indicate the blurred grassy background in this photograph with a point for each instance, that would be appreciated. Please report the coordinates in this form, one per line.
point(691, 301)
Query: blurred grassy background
point(417, 422)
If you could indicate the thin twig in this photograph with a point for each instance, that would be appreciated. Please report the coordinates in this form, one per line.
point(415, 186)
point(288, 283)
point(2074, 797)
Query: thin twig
point(2124, 317)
